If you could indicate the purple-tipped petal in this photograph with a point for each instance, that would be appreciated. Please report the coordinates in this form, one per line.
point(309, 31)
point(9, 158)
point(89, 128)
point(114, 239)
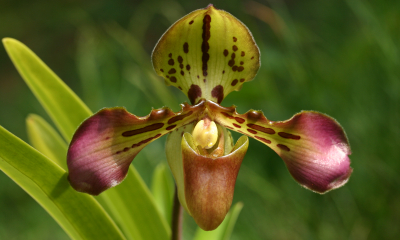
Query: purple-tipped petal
point(314, 146)
point(105, 144)
point(321, 163)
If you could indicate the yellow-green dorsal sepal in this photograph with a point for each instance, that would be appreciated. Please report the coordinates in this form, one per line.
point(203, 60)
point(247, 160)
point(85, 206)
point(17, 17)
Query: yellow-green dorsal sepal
point(207, 54)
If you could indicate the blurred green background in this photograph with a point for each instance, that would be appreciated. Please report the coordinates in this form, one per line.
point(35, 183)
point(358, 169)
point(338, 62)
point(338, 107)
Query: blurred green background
point(337, 57)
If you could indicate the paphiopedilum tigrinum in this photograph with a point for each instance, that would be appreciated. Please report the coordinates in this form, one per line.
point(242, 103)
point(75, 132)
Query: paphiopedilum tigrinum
point(207, 54)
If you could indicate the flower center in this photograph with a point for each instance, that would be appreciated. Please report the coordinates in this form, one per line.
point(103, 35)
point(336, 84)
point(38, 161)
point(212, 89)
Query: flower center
point(205, 133)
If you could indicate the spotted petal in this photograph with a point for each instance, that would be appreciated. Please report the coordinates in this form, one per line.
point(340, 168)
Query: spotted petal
point(207, 54)
point(105, 144)
point(313, 146)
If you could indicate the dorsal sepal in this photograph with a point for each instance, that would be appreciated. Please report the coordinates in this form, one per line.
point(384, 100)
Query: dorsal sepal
point(207, 54)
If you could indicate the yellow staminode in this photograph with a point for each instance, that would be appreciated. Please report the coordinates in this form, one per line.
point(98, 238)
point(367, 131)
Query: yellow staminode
point(205, 133)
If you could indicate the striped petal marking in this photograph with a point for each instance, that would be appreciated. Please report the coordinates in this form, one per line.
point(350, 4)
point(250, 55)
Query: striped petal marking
point(207, 54)
point(313, 145)
point(105, 144)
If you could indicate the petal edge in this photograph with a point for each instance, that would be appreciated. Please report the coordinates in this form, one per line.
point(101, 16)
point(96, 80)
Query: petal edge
point(313, 145)
point(105, 144)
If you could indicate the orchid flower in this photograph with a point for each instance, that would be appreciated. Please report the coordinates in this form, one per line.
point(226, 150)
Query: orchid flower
point(207, 54)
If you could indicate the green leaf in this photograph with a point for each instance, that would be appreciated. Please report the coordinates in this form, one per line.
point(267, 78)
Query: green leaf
point(224, 231)
point(78, 214)
point(130, 204)
point(61, 103)
point(118, 201)
point(134, 209)
point(173, 150)
point(163, 188)
point(46, 140)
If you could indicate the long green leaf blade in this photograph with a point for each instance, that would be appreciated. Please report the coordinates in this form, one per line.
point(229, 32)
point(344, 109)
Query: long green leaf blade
point(68, 111)
point(136, 209)
point(58, 100)
point(224, 231)
point(36, 193)
point(79, 214)
point(133, 221)
point(44, 138)
point(163, 188)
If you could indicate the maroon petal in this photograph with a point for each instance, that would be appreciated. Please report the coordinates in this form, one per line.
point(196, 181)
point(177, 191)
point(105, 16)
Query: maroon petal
point(105, 144)
point(321, 163)
point(313, 145)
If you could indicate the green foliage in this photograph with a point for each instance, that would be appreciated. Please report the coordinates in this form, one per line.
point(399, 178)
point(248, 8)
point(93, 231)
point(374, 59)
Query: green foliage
point(46, 140)
point(78, 214)
point(64, 107)
point(163, 189)
point(130, 204)
point(224, 231)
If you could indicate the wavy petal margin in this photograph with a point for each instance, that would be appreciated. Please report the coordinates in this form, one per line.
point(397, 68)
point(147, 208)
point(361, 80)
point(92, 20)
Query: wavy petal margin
point(313, 145)
point(105, 144)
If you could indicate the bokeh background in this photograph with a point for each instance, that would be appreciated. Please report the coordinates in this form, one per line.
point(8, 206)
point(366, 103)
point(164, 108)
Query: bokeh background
point(334, 56)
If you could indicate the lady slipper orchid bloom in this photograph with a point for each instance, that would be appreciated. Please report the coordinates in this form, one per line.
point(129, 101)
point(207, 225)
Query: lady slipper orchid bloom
point(207, 54)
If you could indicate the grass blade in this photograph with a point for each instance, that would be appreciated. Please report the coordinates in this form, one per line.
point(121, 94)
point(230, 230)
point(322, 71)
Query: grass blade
point(46, 140)
point(63, 106)
point(224, 231)
point(136, 209)
point(163, 188)
point(130, 204)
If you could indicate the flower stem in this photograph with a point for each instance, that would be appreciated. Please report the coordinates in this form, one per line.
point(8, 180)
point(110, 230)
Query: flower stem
point(177, 213)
